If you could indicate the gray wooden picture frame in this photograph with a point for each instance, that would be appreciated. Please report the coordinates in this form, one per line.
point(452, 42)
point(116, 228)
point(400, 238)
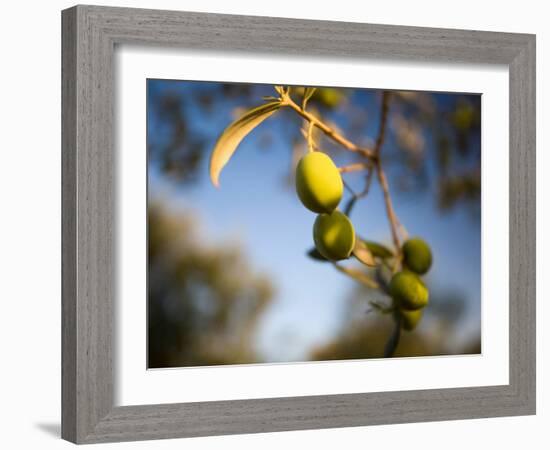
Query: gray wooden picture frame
point(90, 34)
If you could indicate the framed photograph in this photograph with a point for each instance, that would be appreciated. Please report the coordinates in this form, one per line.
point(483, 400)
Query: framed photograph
point(268, 230)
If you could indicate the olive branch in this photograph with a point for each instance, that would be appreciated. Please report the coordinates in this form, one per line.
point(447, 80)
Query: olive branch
point(395, 269)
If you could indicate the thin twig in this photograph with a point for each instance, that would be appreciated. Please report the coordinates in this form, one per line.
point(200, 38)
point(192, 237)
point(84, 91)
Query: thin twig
point(330, 132)
point(356, 167)
point(368, 182)
point(383, 122)
point(389, 208)
point(308, 93)
point(395, 337)
point(392, 217)
point(349, 188)
point(358, 195)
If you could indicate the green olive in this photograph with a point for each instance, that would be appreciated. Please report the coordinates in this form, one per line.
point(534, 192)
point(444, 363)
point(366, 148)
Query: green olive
point(319, 183)
point(410, 319)
point(329, 97)
point(334, 235)
point(408, 290)
point(417, 255)
point(464, 116)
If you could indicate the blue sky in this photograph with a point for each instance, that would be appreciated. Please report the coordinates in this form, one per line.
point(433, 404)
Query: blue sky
point(254, 206)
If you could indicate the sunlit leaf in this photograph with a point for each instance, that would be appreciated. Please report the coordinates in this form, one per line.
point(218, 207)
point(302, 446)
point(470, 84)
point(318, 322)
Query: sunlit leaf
point(358, 275)
point(363, 254)
point(308, 92)
point(378, 250)
point(233, 135)
point(329, 97)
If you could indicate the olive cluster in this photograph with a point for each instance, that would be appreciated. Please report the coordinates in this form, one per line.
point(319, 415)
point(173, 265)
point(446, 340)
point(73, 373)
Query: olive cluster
point(407, 289)
point(320, 188)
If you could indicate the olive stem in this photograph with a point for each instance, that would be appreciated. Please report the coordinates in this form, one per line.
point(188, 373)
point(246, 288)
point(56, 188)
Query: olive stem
point(358, 195)
point(310, 143)
point(393, 341)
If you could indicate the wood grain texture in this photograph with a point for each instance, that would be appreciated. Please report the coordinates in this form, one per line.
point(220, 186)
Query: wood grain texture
point(89, 37)
point(522, 206)
point(88, 262)
point(68, 225)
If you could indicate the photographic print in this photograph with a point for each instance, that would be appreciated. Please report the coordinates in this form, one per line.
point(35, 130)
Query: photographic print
point(298, 224)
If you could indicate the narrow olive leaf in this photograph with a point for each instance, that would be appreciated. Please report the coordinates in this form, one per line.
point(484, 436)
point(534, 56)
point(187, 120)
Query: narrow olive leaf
point(380, 307)
point(362, 277)
point(363, 254)
point(280, 89)
point(233, 135)
point(308, 92)
point(358, 275)
point(378, 250)
point(314, 254)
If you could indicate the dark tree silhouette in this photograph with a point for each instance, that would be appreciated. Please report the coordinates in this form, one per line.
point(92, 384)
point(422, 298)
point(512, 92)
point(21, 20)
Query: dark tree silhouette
point(204, 299)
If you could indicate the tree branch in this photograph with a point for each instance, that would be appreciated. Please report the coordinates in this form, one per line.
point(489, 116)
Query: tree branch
point(389, 208)
point(393, 341)
point(373, 164)
point(383, 122)
point(330, 132)
point(356, 167)
point(392, 217)
point(356, 196)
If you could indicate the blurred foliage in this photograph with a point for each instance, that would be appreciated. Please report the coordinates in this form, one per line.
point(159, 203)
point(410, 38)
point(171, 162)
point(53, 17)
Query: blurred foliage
point(453, 165)
point(429, 146)
point(181, 150)
point(181, 155)
point(204, 300)
point(364, 334)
